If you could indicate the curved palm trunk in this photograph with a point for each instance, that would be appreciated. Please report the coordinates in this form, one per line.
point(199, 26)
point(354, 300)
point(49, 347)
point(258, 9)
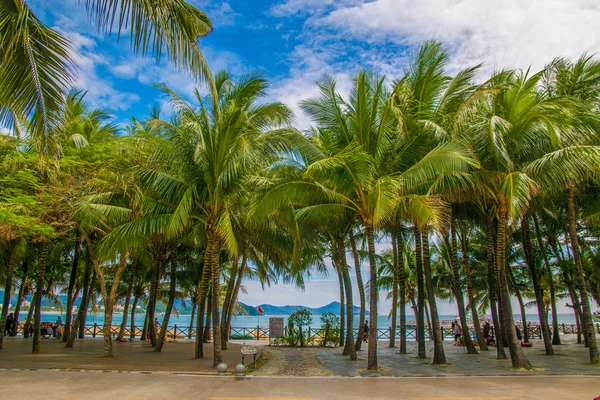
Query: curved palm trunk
point(215, 291)
point(439, 357)
point(517, 355)
point(467, 266)
point(394, 289)
point(555, 329)
point(172, 288)
point(402, 287)
point(537, 287)
point(20, 297)
point(109, 298)
point(10, 268)
point(525, 331)
point(349, 348)
point(372, 352)
point(79, 323)
point(500, 354)
point(228, 300)
point(361, 292)
point(420, 297)
point(207, 323)
point(191, 326)
point(586, 315)
point(144, 334)
point(458, 290)
point(236, 292)
point(29, 318)
point(202, 290)
point(342, 306)
point(71, 287)
point(127, 302)
point(39, 291)
point(156, 266)
point(132, 323)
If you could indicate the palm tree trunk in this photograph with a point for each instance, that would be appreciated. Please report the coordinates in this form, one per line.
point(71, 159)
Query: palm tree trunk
point(521, 305)
point(343, 266)
point(402, 287)
point(458, 289)
point(132, 324)
point(585, 301)
point(87, 304)
point(79, 323)
point(537, 287)
point(108, 314)
point(422, 354)
point(467, 267)
point(228, 300)
point(236, 292)
point(71, 287)
point(215, 291)
point(207, 323)
point(127, 302)
point(394, 289)
point(555, 329)
point(29, 318)
point(20, 297)
point(372, 352)
point(492, 281)
point(10, 268)
point(517, 355)
point(194, 306)
point(156, 266)
point(342, 304)
point(439, 357)
point(203, 291)
point(39, 292)
point(172, 289)
point(361, 292)
point(144, 334)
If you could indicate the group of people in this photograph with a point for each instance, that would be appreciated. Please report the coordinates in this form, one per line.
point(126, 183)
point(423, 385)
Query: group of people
point(47, 328)
point(10, 329)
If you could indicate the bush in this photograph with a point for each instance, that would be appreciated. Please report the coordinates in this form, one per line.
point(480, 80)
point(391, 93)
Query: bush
point(296, 323)
point(331, 329)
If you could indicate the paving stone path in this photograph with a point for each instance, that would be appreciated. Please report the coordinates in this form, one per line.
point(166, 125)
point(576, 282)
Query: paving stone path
point(570, 359)
point(293, 362)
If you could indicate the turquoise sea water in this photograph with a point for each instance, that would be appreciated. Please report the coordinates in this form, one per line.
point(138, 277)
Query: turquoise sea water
point(263, 320)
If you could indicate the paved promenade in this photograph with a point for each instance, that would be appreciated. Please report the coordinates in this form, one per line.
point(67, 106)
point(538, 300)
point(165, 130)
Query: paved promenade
point(87, 354)
point(569, 359)
point(48, 385)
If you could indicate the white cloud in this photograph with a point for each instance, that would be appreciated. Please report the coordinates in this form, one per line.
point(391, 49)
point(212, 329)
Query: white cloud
point(508, 33)
point(101, 91)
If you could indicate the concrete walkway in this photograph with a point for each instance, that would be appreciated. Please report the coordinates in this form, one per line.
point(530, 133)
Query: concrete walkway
point(47, 385)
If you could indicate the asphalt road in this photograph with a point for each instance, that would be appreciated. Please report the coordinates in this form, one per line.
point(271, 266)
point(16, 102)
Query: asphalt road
point(41, 384)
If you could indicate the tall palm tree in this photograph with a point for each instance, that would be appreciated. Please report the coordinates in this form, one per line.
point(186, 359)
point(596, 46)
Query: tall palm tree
point(223, 139)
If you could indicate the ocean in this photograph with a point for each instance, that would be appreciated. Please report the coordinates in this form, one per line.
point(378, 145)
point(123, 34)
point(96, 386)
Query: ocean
point(263, 320)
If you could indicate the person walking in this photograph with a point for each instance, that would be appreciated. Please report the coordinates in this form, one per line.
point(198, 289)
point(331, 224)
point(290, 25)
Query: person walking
point(8, 327)
point(486, 332)
point(366, 332)
point(457, 333)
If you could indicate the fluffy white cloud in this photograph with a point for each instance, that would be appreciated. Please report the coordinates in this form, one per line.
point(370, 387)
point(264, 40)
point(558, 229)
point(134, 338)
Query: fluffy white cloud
point(507, 33)
point(101, 91)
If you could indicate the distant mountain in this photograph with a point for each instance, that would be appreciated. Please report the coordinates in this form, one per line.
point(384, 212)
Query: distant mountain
point(333, 307)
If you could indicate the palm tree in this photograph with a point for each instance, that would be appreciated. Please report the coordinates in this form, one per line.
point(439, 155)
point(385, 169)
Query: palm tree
point(38, 66)
point(223, 139)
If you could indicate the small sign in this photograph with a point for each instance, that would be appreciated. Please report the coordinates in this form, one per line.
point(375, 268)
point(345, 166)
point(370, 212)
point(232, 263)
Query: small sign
point(247, 350)
point(275, 327)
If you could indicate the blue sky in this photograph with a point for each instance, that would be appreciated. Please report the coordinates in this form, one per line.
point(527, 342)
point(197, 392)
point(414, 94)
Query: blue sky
point(294, 42)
